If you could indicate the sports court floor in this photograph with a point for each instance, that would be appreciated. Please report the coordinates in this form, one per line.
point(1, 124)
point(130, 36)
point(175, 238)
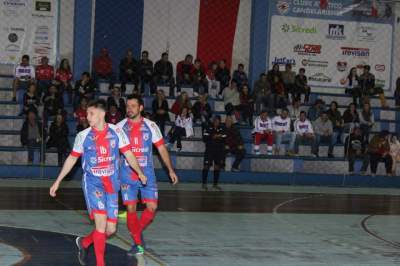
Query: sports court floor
point(243, 225)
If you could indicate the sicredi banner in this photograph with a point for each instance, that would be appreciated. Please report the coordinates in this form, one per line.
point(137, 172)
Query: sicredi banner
point(28, 27)
point(328, 43)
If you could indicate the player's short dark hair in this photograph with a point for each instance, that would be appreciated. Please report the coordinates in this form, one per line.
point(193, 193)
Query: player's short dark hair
point(136, 97)
point(164, 54)
point(367, 67)
point(25, 56)
point(302, 70)
point(145, 52)
point(99, 104)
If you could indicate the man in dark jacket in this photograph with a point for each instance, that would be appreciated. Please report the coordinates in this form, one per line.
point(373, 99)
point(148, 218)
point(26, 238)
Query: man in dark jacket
point(379, 151)
point(355, 148)
point(214, 138)
point(202, 110)
point(164, 72)
point(32, 136)
point(234, 143)
point(128, 70)
point(146, 73)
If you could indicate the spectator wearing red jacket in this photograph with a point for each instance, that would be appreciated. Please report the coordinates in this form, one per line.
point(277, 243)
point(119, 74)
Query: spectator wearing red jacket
point(80, 115)
point(183, 100)
point(44, 75)
point(63, 80)
point(184, 70)
point(103, 66)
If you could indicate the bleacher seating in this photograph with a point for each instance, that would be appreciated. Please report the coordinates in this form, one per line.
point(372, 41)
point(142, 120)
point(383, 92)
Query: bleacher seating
point(190, 158)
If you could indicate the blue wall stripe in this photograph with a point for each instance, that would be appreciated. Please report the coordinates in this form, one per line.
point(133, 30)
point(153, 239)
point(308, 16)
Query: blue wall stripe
point(82, 30)
point(258, 38)
point(118, 26)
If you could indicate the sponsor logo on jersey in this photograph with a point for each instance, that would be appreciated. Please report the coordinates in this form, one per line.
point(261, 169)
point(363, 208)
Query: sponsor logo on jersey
point(112, 143)
point(103, 170)
point(105, 159)
point(146, 136)
point(98, 194)
point(93, 160)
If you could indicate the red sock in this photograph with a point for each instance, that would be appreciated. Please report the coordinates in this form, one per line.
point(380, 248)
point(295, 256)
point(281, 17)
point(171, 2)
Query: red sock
point(87, 240)
point(133, 224)
point(147, 218)
point(99, 240)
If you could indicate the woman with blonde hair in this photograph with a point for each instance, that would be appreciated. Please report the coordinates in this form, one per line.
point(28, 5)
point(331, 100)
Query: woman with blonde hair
point(394, 152)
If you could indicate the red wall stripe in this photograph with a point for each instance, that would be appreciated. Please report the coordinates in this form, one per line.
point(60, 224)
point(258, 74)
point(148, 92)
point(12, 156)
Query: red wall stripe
point(217, 25)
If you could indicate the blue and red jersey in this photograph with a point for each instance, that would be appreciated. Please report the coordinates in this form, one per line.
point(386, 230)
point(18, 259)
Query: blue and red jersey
point(142, 136)
point(100, 151)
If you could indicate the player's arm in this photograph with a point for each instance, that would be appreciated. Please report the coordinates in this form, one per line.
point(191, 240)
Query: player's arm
point(68, 164)
point(131, 159)
point(167, 161)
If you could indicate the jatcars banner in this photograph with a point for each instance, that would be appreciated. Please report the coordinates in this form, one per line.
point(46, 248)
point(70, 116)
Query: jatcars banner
point(28, 27)
point(329, 42)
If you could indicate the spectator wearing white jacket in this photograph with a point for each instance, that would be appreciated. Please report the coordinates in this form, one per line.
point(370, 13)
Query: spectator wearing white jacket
point(304, 133)
point(183, 128)
point(282, 132)
point(263, 131)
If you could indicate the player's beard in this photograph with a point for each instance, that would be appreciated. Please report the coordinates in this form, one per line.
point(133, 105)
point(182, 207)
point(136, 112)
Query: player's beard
point(134, 116)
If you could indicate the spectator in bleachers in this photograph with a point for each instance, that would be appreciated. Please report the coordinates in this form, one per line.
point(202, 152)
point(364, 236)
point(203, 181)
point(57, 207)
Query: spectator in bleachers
point(223, 76)
point(288, 79)
point(213, 84)
point(164, 73)
point(146, 73)
point(184, 70)
point(32, 134)
point(336, 118)
point(59, 138)
point(368, 86)
point(129, 72)
point(183, 128)
point(379, 150)
point(80, 115)
point(304, 134)
point(214, 137)
point(367, 121)
point(263, 131)
point(103, 68)
point(44, 75)
point(351, 119)
point(198, 77)
point(315, 111)
point(113, 114)
point(202, 110)
point(282, 132)
point(234, 143)
point(301, 86)
point(160, 110)
point(240, 76)
point(84, 88)
point(63, 80)
point(246, 106)
point(262, 94)
point(355, 148)
point(352, 86)
point(52, 102)
point(323, 129)
point(182, 101)
point(24, 75)
point(295, 109)
point(394, 152)
point(275, 80)
point(116, 99)
point(231, 98)
point(31, 100)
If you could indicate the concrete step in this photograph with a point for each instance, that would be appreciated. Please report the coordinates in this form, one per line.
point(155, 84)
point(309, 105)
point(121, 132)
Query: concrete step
point(342, 99)
point(6, 82)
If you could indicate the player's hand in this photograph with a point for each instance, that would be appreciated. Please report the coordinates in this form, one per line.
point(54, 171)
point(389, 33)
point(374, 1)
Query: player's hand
point(174, 177)
point(143, 179)
point(53, 189)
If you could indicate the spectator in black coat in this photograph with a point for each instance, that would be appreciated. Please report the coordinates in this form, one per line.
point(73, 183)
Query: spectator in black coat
point(128, 70)
point(52, 103)
point(32, 134)
point(31, 100)
point(160, 110)
point(117, 100)
point(223, 75)
point(146, 73)
point(164, 73)
point(355, 148)
point(59, 138)
point(202, 110)
point(84, 88)
point(234, 143)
